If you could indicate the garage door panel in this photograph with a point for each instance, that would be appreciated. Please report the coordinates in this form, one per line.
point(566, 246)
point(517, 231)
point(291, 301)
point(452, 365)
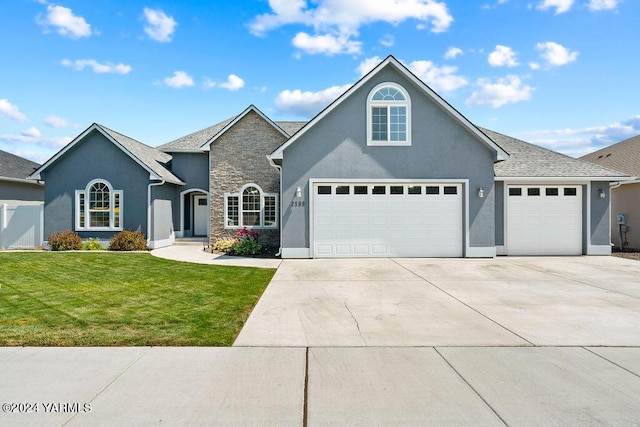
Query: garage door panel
point(388, 224)
point(544, 224)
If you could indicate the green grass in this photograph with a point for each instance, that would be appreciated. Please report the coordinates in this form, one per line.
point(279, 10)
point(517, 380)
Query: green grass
point(116, 299)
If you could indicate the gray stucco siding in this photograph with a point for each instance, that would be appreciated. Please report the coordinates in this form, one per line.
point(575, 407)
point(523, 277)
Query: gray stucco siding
point(163, 216)
point(192, 169)
point(600, 214)
point(95, 157)
point(499, 212)
point(24, 191)
point(336, 148)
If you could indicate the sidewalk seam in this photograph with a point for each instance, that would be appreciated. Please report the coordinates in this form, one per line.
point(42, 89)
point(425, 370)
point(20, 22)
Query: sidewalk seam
point(610, 361)
point(114, 379)
point(470, 386)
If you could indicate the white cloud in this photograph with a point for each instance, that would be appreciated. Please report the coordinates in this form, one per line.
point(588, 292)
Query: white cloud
point(597, 5)
point(387, 40)
point(534, 65)
point(578, 142)
point(160, 27)
point(343, 19)
point(81, 64)
point(56, 122)
point(560, 5)
point(368, 64)
point(326, 44)
point(233, 83)
point(555, 54)
point(440, 79)
point(32, 132)
point(453, 52)
point(307, 104)
point(505, 90)
point(9, 110)
point(54, 142)
point(178, 80)
point(65, 22)
point(503, 56)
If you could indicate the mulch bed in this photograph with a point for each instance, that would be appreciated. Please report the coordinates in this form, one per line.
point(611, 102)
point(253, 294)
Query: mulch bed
point(627, 253)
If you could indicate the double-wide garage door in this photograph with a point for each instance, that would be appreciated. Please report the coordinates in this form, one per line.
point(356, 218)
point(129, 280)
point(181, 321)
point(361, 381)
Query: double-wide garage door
point(395, 219)
point(544, 220)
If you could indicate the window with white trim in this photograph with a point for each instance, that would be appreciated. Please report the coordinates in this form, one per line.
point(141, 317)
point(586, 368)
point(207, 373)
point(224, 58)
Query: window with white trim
point(388, 115)
point(251, 208)
point(99, 207)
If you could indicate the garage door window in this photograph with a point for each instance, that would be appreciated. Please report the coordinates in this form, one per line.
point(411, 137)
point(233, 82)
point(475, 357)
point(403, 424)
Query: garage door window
point(515, 191)
point(533, 191)
point(570, 191)
point(551, 191)
point(450, 190)
point(414, 189)
point(378, 189)
point(324, 189)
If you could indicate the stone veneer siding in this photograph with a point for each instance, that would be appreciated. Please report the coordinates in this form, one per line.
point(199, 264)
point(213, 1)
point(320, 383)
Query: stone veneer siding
point(237, 158)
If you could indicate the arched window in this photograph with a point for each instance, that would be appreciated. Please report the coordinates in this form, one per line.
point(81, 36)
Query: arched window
point(388, 115)
point(251, 208)
point(99, 207)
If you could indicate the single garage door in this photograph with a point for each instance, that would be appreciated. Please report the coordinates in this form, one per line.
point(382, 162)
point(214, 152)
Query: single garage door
point(544, 220)
point(380, 220)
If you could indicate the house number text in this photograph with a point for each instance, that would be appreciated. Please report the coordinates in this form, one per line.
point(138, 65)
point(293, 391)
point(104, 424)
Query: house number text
point(297, 204)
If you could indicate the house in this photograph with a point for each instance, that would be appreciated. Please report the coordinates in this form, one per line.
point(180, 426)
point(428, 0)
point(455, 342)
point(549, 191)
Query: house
point(625, 195)
point(20, 203)
point(388, 169)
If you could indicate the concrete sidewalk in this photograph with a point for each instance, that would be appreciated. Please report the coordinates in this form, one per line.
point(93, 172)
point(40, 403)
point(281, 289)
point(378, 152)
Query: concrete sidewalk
point(195, 253)
point(320, 386)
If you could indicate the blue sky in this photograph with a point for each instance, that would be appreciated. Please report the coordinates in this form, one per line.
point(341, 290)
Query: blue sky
point(560, 73)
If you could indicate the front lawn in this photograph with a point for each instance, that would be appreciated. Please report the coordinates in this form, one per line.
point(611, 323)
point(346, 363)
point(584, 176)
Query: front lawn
point(118, 299)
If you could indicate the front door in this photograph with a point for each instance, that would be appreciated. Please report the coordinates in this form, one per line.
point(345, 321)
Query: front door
point(200, 215)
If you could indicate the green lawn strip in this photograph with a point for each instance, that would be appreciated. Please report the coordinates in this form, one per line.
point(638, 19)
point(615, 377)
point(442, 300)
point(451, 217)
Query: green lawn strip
point(117, 299)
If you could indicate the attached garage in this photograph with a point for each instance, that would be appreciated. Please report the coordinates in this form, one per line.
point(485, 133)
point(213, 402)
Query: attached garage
point(373, 219)
point(544, 220)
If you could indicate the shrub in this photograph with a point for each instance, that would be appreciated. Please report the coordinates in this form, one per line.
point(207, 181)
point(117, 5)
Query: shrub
point(92, 245)
point(225, 245)
point(65, 241)
point(248, 244)
point(128, 240)
point(247, 247)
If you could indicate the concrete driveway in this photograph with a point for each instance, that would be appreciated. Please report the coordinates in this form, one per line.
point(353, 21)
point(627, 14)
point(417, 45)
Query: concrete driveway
point(509, 341)
point(527, 301)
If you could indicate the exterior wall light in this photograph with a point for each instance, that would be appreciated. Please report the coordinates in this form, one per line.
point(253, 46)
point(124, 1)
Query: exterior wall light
point(298, 193)
point(481, 192)
point(601, 193)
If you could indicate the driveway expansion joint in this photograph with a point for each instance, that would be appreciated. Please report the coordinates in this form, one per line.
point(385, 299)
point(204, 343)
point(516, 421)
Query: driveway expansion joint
point(465, 304)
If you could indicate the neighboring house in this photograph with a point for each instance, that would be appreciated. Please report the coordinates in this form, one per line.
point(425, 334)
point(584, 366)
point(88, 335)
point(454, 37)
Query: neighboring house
point(388, 169)
point(20, 203)
point(625, 196)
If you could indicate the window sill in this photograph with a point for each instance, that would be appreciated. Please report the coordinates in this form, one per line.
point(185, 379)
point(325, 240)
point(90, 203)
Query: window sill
point(389, 144)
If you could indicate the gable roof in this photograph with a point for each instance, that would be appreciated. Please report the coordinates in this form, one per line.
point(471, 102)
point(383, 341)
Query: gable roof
point(500, 154)
point(202, 139)
point(623, 156)
point(15, 168)
point(149, 158)
point(527, 160)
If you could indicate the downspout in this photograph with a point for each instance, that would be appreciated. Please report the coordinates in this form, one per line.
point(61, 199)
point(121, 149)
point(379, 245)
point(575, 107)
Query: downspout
point(153, 184)
point(280, 200)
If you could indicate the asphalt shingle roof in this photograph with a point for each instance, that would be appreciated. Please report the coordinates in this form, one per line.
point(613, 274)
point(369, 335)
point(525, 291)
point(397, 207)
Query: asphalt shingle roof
point(623, 156)
point(196, 140)
point(149, 156)
point(15, 167)
point(529, 160)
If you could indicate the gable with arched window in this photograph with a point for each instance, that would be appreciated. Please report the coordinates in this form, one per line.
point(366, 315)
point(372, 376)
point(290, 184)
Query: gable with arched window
point(99, 207)
point(388, 115)
point(251, 208)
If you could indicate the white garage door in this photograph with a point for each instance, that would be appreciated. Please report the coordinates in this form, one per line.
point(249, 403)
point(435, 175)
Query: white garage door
point(544, 220)
point(379, 220)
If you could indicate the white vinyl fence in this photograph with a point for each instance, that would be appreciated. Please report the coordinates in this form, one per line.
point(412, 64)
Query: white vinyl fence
point(21, 227)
